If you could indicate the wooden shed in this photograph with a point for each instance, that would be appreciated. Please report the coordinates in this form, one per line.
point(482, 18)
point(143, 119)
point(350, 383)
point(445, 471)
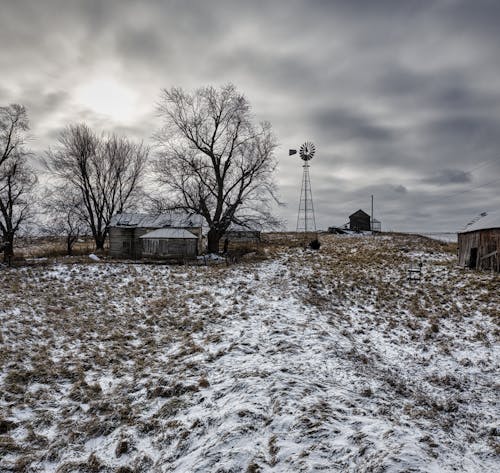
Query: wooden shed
point(126, 229)
point(237, 237)
point(166, 243)
point(479, 244)
point(359, 221)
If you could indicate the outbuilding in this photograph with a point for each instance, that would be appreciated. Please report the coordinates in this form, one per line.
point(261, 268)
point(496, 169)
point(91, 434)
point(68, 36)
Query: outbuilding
point(479, 244)
point(238, 237)
point(126, 230)
point(166, 243)
point(359, 221)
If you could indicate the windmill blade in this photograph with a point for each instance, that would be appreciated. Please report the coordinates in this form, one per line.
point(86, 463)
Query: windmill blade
point(291, 152)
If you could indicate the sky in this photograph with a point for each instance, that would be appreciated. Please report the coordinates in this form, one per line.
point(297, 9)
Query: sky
point(400, 97)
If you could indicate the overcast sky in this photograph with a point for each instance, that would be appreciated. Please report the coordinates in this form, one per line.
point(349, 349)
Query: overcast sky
point(400, 97)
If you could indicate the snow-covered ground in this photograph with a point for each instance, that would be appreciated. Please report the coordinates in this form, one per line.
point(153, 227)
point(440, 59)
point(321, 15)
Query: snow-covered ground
point(304, 361)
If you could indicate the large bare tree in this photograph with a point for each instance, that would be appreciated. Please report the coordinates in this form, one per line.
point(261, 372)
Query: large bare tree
point(64, 215)
point(106, 173)
point(17, 180)
point(214, 161)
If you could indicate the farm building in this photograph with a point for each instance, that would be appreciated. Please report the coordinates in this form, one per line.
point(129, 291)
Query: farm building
point(169, 243)
point(359, 221)
point(126, 230)
point(479, 244)
point(237, 237)
point(376, 225)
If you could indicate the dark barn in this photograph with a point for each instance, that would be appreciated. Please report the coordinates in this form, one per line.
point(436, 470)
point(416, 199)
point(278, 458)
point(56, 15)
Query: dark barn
point(359, 221)
point(126, 230)
point(479, 244)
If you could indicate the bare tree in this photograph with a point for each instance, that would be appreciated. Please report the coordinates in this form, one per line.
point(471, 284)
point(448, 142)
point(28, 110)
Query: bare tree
point(17, 180)
point(63, 209)
point(214, 161)
point(106, 172)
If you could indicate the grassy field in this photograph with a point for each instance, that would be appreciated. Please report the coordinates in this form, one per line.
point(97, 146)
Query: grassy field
point(293, 361)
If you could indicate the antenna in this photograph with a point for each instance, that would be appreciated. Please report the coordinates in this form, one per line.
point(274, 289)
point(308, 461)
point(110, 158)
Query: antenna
point(305, 218)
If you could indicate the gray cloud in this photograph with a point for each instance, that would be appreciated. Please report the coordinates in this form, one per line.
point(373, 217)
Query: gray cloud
point(346, 124)
point(449, 176)
point(397, 96)
point(400, 189)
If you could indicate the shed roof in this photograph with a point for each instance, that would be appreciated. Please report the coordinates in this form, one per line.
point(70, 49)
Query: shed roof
point(169, 219)
point(240, 228)
point(490, 220)
point(359, 213)
point(167, 233)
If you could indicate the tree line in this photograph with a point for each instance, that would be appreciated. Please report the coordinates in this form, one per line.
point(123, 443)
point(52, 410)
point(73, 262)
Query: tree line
point(210, 159)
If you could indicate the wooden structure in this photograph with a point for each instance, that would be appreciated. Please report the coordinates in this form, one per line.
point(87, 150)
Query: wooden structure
point(479, 244)
point(237, 237)
point(126, 230)
point(359, 221)
point(415, 271)
point(166, 243)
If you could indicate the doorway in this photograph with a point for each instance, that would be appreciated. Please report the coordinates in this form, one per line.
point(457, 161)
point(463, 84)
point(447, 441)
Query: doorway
point(473, 258)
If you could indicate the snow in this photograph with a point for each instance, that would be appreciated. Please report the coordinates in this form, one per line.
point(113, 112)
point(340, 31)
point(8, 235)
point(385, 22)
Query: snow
point(306, 361)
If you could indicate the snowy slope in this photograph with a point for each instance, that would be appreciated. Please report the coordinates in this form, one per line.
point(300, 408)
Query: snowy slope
point(327, 361)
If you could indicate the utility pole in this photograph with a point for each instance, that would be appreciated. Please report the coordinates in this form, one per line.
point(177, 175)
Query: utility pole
point(371, 221)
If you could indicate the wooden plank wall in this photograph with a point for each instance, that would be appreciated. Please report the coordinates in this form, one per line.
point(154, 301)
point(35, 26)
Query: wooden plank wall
point(486, 242)
point(121, 242)
point(359, 223)
point(125, 242)
point(168, 247)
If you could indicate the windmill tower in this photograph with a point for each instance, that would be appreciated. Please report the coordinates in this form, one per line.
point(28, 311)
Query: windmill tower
point(306, 222)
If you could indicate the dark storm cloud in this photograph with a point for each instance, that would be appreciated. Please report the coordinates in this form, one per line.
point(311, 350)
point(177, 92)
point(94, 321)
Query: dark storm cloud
point(400, 97)
point(449, 176)
point(141, 45)
point(446, 91)
point(400, 189)
point(348, 125)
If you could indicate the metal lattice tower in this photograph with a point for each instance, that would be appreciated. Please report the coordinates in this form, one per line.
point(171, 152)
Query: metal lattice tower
point(305, 218)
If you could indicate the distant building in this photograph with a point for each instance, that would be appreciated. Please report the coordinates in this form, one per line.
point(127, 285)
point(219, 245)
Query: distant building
point(359, 221)
point(479, 244)
point(169, 235)
point(376, 225)
point(238, 237)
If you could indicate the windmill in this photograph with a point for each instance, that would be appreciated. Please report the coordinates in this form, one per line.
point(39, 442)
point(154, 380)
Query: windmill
point(306, 222)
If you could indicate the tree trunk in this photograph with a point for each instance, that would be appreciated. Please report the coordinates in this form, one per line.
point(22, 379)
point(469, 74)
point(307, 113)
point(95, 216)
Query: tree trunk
point(213, 238)
point(70, 240)
point(99, 242)
point(8, 251)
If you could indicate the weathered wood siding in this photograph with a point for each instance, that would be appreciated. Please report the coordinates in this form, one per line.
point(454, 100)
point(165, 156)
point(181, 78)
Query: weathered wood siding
point(125, 242)
point(168, 248)
point(359, 222)
point(121, 242)
point(249, 236)
point(484, 244)
point(199, 233)
point(249, 239)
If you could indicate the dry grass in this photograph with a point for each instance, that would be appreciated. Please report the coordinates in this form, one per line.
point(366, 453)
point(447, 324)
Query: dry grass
point(114, 367)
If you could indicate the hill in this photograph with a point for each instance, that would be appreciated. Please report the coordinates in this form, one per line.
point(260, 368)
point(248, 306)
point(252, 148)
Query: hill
point(301, 361)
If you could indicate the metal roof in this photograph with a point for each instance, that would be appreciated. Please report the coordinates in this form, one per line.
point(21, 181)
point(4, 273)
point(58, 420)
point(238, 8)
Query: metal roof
point(491, 220)
point(169, 219)
point(169, 233)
